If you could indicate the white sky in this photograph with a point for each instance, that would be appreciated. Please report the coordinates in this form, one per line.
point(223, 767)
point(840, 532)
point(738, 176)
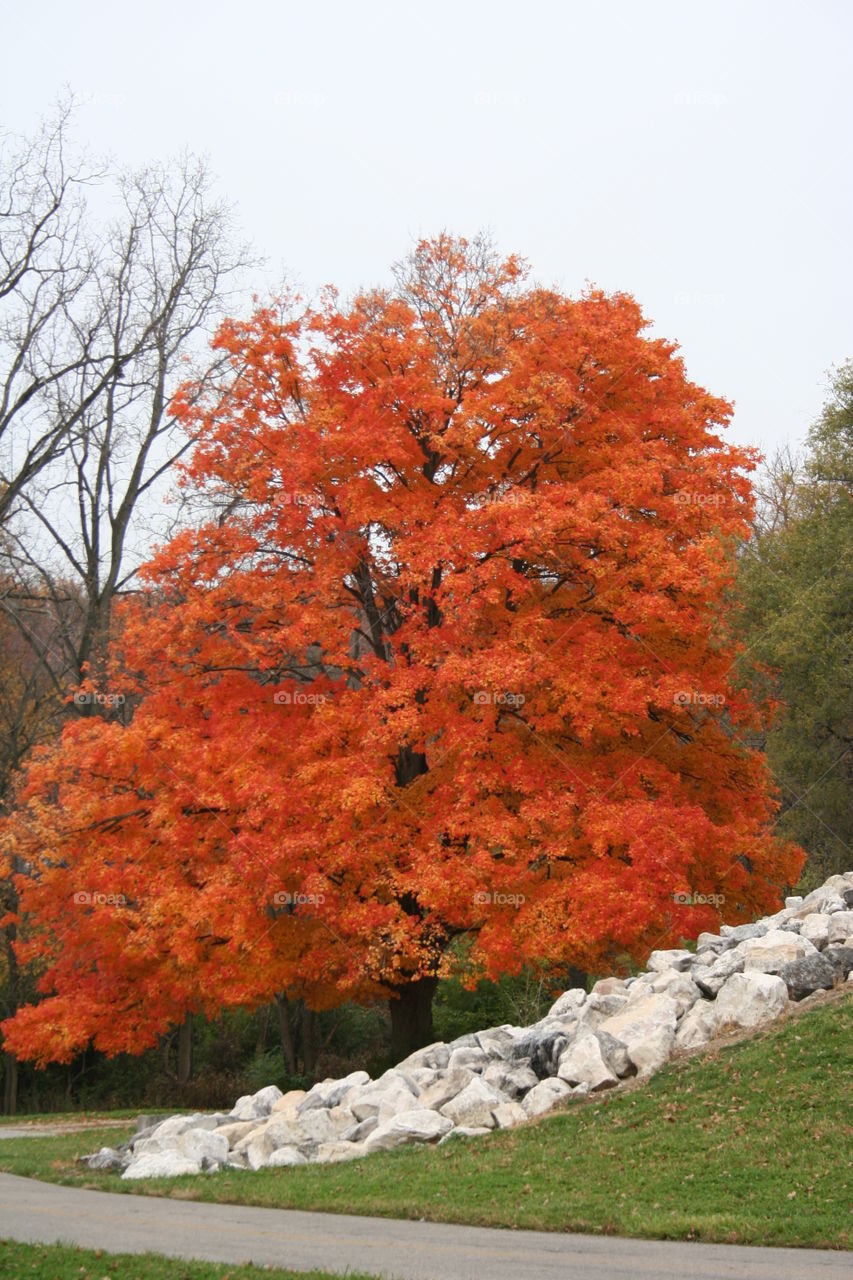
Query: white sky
point(697, 155)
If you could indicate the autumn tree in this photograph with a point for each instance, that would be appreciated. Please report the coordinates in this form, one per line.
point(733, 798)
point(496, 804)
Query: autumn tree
point(447, 664)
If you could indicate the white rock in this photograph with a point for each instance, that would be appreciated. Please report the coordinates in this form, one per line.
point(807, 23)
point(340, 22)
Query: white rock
point(335, 1152)
point(815, 929)
point(161, 1164)
point(254, 1106)
point(473, 1059)
point(203, 1147)
point(840, 926)
point(433, 1055)
point(748, 999)
point(508, 1114)
point(288, 1102)
point(474, 1105)
point(382, 1101)
point(698, 1026)
point(543, 1097)
point(650, 1052)
point(284, 1157)
point(583, 1063)
point(610, 987)
point(568, 1002)
point(639, 1019)
point(234, 1132)
point(449, 1084)
point(775, 949)
point(418, 1125)
point(658, 961)
point(680, 987)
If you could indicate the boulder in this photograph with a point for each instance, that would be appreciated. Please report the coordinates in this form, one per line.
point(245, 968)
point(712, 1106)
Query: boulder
point(284, 1157)
point(808, 974)
point(508, 1114)
point(680, 987)
point(841, 959)
point(711, 980)
point(568, 1002)
point(209, 1150)
point(639, 1019)
point(382, 1100)
point(435, 1055)
point(474, 1105)
point(544, 1096)
point(417, 1125)
point(160, 1164)
point(359, 1132)
point(609, 987)
point(234, 1132)
point(659, 961)
point(599, 1007)
point(615, 1054)
point(583, 1063)
point(464, 1131)
point(748, 999)
point(649, 1052)
point(744, 932)
point(815, 929)
point(840, 926)
point(513, 1080)
point(107, 1159)
point(713, 942)
point(473, 1059)
point(447, 1086)
point(335, 1152)
point(254, 1106)
point(544, 1042)
point(698, 1026)
point(498, 1042)
point(776, 948)
point(329, 1093)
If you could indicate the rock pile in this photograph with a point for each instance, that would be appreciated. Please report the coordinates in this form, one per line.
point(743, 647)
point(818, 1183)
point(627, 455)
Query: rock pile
point(624, 1027)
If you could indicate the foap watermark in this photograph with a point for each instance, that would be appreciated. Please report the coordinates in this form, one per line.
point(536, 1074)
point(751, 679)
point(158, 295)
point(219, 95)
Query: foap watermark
point(83, 898)
point(699, 899)
point(690, 498)
point(285, 899)
point(484, 898)
point(700, 98)
point(485, 697)
point(696, 698)
point(300, 698)
point(294, 498)
point(92, 699)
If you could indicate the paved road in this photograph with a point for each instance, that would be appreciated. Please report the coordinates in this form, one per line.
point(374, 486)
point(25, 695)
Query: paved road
point(39, 1211)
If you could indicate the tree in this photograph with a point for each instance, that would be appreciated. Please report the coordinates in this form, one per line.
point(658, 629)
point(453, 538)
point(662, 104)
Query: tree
point(447, 664)
point(97, 327)
point(796, 585)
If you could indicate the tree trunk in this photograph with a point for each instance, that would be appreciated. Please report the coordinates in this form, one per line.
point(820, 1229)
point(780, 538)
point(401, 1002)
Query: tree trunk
point(185, 1049)
point(286, 1032)
point(10, 1085)
point(411, 1017)
point(309, 1047)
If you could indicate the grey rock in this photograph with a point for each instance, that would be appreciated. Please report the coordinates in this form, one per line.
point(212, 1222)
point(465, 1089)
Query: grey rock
point(474, 1105)
point(808, 974)
point(658, 961)
point(417, 1125)
point(841, 959)
point(474, 1059)
point(514, 1080)
point(447, 1086)
point(284, 1158)
point(435, 1055)
point(544, 1096)
point(569, 1002)
point(107, 1159)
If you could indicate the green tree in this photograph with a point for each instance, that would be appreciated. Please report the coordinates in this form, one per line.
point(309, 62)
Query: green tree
point(796, 585)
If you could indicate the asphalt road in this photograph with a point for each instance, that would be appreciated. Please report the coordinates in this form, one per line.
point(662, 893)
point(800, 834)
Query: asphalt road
point(41, 1212)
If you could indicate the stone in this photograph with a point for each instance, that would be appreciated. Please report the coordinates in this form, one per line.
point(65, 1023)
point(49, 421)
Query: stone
point(209, 1150)
point(498, 1042)
point(335, 1152)
point(464, 1131)
point(639, 1019)
point(711, 980)
point(342, 1118)
point(748, 999)
point(648, 1053)
point(544, 1042)
point(841, 959)
point(254, 1106)
point(284, 1157)
point(473, 1059)
point(288, 1102)
point(257, 1154)
point(508, 1114)
point(698, 1026)
point(382, 1101)
point(609, 987)
point(776, 948)
point(583, 1063)
point(744, 932)
point(544, 1096)
point(599, 1007)
point(847, 897)
point(329, 1093)
point(815, 929)
point(513, 1080)
point(658, 961)
point(826, 899)
point(446, 1087)
point(568, 1002)
point(234, 1132)
point(433, 1055)
point(713, 942)
point(417, 1125)
point(474, 1105)
point(108, 1159)
point(792, 903)
point(176, 1125)
point(615, 1054)
point(160, 1164)
point(359, 1132)
point(808, 974)
point(840, 926)
point(680, 987)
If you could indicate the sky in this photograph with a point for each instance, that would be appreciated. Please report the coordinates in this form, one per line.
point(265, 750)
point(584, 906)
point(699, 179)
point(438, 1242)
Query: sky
point(695, 154)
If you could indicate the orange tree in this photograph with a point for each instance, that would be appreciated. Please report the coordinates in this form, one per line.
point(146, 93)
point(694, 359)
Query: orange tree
point(445, 661)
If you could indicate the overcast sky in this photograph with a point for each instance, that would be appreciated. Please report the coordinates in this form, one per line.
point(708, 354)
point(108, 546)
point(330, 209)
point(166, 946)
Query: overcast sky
point(697, 155)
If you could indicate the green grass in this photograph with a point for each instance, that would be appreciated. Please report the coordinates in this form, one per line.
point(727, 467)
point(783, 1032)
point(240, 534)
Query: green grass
point(76, 1117)
point(751, 1144)
point(60, 1262)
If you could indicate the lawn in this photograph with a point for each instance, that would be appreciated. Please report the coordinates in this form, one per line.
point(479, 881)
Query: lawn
point(751, 1143)
point(59, 1262)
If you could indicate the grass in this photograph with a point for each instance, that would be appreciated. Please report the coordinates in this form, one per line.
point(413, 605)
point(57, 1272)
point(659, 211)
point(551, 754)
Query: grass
point(76, 1117)
point(751, 1143)
point(61, 1262)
